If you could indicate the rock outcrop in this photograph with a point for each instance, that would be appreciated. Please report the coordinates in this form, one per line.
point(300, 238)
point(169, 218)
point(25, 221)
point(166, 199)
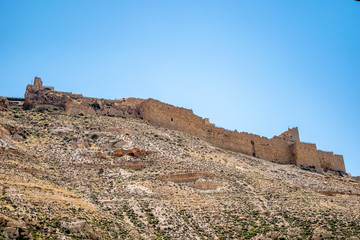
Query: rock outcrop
point(4, 103)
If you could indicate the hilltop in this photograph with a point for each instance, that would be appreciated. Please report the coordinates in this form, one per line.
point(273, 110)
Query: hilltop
point(285, 148)
point(95, 176)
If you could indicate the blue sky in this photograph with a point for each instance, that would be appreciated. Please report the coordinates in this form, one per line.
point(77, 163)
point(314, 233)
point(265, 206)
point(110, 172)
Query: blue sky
point(253, 65)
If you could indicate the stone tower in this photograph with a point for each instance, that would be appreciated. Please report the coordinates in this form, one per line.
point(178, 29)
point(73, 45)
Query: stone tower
point(291, 135)
point(38, 84)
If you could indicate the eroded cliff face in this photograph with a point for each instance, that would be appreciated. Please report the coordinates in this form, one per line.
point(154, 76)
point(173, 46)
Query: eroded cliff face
point(285, 148)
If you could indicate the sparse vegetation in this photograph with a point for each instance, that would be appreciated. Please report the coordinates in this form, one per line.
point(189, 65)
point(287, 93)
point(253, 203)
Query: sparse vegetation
point(95, 105)
point(55, 183)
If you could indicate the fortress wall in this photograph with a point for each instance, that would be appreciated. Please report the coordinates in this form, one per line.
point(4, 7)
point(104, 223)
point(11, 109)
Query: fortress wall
point(285, 148)
point(325, 159)
point(338, 163)
point(234, 141)
point(185, 120)
point(168, 116)
point(330, 161)
point(77, 104)
point(306, 154)
point(275, 151)
point(45, 96)
point(250, 144)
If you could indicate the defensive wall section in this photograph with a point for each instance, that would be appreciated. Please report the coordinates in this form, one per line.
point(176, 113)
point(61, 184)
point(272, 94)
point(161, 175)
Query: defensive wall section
point(285, 148)
point(38, 96)
point(168, 116)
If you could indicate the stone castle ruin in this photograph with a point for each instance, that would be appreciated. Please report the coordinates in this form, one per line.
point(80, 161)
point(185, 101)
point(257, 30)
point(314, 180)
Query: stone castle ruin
point(285, 148)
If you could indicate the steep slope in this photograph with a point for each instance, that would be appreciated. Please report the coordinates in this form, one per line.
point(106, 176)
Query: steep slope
point(60, 178)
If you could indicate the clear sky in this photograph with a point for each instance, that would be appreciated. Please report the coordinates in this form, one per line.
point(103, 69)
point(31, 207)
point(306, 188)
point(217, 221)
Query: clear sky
point(258, 66)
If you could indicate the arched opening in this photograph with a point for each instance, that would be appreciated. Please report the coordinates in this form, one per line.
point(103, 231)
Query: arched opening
point(172, 119)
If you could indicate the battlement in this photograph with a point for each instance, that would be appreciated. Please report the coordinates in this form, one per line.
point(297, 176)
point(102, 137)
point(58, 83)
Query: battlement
point(285, 148)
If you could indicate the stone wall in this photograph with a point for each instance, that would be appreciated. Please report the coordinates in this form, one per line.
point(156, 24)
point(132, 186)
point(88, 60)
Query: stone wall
point(285, 148)
point(306, 154)
point(329, 160)
point(165, 115)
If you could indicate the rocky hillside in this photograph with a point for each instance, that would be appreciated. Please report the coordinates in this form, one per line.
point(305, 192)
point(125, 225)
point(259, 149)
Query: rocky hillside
point(77, 177)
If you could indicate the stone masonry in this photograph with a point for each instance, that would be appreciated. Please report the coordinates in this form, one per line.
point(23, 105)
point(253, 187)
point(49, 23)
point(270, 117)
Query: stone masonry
point(285, 148)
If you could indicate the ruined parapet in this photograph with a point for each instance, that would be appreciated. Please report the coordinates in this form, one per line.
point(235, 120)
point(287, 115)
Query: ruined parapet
point(38, 84)
point(290, 136)
point(127, 108)
point(208, 123)
point(35, 94)
point(38, 96)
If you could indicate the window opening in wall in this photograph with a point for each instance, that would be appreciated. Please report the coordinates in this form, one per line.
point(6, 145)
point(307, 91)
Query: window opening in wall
point(172, 119)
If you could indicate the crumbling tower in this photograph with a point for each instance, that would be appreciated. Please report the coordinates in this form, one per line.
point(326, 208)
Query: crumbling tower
point(38, 84)
point(32, 93)
point(290, 136)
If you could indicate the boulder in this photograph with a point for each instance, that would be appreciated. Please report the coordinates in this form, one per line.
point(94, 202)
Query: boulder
point(4, 103)
point(4, 134)
point(119, 144)
point(81, 143)
point(320, 234)
point(353, 238)
point(120, 152)
point(17, 233)
point(101, 155)
point(135, 152)
point(3, 222)
point(203, 184)
point(185, 177)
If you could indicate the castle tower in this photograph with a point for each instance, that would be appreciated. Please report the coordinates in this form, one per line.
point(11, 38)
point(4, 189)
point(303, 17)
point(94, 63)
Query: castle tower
point(294, 134)
point(291, 135)
point(38, 84)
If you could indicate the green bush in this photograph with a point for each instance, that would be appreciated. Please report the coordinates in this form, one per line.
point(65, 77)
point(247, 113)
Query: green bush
point(95, 105)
